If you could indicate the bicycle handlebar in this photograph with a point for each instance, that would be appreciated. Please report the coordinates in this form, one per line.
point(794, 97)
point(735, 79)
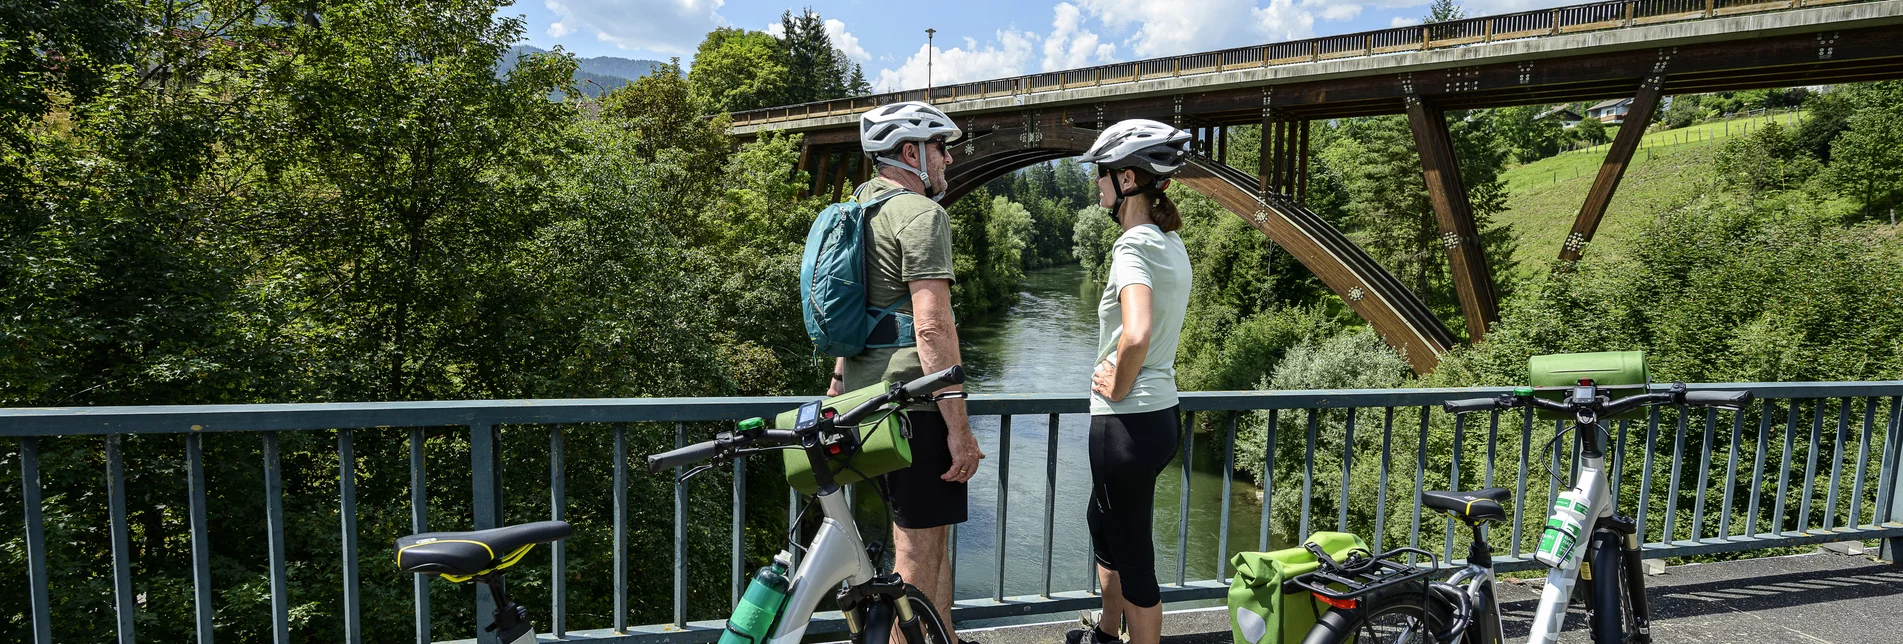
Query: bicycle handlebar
point(694, 453)
point(917, 390)
point(1605, 407)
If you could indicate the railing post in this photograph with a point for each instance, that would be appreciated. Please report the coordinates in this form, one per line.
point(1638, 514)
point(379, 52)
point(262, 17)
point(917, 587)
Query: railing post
point(487, 507)
point(35, 540)
point(1893, 546)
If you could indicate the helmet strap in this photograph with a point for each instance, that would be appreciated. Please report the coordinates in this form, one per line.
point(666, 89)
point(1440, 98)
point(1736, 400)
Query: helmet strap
point(1116, 207)
point(923, 176)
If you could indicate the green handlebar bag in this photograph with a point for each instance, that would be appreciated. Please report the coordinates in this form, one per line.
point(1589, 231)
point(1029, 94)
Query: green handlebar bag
point(1259, 612)
point(884, 444)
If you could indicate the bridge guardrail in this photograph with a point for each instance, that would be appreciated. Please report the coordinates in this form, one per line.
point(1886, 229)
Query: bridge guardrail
point(1706, 503)
point(1598, 16)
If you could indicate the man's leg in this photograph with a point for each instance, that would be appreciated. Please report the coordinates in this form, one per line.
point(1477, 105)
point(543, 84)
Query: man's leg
point(920, 557)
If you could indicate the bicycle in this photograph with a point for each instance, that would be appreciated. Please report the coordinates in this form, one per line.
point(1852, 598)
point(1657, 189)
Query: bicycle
point(835, 556)
point(1382, 599)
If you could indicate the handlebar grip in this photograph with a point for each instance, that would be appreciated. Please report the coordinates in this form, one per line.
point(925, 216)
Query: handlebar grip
point(688, 455)
point(1470, 404)
point(1732, 399)
point(924, 387)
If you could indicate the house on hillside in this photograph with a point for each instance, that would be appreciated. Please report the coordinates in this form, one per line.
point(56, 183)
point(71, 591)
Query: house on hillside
point(1610, 112)
point(1564, 114)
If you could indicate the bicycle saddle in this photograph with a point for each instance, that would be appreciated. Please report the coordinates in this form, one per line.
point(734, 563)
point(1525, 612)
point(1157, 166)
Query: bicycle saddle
point(1472, 507)
point(457, 556)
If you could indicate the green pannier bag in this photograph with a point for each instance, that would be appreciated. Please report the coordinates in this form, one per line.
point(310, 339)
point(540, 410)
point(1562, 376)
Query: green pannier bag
point(884, 444)
point(1259, 612)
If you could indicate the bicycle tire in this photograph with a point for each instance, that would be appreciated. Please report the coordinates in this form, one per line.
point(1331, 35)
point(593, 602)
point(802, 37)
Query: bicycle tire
point(931, 627)
point(881, 622)
point(1394, 617)
point(1612, 620)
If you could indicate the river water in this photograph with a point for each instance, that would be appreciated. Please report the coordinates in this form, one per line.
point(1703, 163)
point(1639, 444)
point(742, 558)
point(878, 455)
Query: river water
point(1047, 344)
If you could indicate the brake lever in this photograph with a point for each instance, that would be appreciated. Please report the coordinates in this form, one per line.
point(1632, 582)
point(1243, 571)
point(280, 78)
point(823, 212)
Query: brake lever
point(950, 395)
point(695, 471)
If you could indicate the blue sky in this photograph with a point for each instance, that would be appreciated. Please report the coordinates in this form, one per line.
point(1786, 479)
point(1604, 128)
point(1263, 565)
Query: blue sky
point(976, 39)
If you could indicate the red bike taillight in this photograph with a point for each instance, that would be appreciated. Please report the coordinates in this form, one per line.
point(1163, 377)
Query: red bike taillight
point(1344, 604)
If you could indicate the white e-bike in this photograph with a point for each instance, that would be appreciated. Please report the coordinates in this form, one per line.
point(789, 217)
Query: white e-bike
point(837, 561)
point(1383, 598)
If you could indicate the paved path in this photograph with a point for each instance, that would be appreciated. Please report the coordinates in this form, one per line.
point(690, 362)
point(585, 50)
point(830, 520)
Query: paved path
point(1808, 599)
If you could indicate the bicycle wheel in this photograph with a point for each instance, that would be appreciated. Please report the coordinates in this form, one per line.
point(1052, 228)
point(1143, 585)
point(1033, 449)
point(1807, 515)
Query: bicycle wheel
point(1612, 619)
point(931, 627)
point(1391, 618)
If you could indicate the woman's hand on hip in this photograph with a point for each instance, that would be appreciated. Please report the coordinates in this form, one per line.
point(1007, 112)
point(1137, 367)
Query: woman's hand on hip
point(1104, 381)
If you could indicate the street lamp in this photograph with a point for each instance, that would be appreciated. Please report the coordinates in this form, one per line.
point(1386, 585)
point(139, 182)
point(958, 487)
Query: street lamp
point(928, 64)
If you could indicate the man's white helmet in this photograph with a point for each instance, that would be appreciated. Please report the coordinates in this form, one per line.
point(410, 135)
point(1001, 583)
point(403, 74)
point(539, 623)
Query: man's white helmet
point(885, 127)
point(1154, 147)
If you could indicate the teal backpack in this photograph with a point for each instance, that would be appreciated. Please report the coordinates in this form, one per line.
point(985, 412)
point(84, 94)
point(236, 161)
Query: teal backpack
point(833, 291)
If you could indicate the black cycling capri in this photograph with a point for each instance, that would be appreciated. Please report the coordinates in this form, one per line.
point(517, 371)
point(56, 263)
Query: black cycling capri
point(1127, 452)
point(920, 499)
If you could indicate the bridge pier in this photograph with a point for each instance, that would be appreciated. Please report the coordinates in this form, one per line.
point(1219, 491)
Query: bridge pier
point(1644, 104)
point(1284, 165)
point(1473, 280)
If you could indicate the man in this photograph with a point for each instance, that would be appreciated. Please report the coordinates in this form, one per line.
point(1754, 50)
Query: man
point(909, 256)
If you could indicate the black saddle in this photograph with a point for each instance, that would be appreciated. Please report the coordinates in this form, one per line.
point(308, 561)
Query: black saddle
point(1473, 507)
point(466, 554)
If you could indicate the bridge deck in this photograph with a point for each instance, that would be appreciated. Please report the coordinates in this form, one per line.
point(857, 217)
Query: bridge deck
point(1803, 599)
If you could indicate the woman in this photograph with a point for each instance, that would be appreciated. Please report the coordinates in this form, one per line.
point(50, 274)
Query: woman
point(1133, 424)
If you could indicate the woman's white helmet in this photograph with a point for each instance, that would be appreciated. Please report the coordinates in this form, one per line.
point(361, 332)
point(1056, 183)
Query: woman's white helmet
point(1156, 148)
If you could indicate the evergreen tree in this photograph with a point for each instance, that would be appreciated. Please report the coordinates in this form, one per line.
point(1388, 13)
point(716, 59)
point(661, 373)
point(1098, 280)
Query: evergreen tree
point(813, 68)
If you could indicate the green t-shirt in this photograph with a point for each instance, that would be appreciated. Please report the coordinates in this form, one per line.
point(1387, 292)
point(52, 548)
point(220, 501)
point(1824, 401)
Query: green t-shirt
point(910, 241)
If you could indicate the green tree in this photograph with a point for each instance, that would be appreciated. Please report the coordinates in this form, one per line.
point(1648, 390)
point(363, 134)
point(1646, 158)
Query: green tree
point(1592, 131)
point(815, 71)
point(737, 69)
point(1867, 159)
point(1526, 134)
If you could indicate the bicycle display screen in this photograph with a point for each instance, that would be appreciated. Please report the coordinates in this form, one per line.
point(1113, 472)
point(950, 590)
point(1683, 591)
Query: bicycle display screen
point(808, 416)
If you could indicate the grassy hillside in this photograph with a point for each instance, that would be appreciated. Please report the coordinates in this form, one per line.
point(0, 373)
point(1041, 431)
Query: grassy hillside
point(1670, 167)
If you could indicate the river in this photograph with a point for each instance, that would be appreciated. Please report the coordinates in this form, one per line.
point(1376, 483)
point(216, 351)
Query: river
point(1047, 344)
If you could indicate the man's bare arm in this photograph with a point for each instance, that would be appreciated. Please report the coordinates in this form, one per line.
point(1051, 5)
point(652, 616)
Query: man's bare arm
point(938, 350)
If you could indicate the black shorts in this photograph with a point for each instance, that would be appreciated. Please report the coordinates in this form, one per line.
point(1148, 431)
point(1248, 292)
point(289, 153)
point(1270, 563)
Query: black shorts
point(1127, 452)
point(920, 499)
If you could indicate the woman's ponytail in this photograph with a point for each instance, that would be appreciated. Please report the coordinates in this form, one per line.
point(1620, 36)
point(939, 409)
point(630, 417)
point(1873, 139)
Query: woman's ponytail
point(1163, 212)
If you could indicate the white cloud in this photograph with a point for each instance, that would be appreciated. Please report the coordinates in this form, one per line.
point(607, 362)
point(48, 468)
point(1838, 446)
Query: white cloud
point(1399, 21)
point(1070, 45)
point(776, 29)
point(1340, 11)
point(1282, 20)
point(1007, 56)
point(843, 40)
point(664, 26)
point(1167, 27)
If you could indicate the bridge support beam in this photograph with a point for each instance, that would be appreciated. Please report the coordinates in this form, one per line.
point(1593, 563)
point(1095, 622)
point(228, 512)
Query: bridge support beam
point(1473, 281)
point(1644, 104)
point(1284, 166)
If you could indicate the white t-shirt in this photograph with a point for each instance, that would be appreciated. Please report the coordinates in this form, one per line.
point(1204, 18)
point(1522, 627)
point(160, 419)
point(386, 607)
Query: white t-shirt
point(1145, 255)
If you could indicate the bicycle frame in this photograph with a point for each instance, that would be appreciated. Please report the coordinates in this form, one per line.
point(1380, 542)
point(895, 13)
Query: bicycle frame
point(836, 555)
point(1551, 614)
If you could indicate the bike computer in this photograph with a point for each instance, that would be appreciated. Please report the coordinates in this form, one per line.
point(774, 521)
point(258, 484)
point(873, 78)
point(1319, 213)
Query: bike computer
point(808, 416)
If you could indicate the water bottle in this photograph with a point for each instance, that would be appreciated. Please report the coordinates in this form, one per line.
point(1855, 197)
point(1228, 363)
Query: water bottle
point(761, 604)
point(1563, 528)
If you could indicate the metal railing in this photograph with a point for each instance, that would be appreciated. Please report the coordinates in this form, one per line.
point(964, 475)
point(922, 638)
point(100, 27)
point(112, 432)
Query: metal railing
point(1360, 456)
point(1597, 16)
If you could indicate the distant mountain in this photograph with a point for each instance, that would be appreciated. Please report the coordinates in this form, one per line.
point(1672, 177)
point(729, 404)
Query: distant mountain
point(607, 72)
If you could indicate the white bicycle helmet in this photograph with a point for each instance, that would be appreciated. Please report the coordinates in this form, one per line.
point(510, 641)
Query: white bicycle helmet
point(886, 127)
point(1156, 148)
point(1144, 144)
